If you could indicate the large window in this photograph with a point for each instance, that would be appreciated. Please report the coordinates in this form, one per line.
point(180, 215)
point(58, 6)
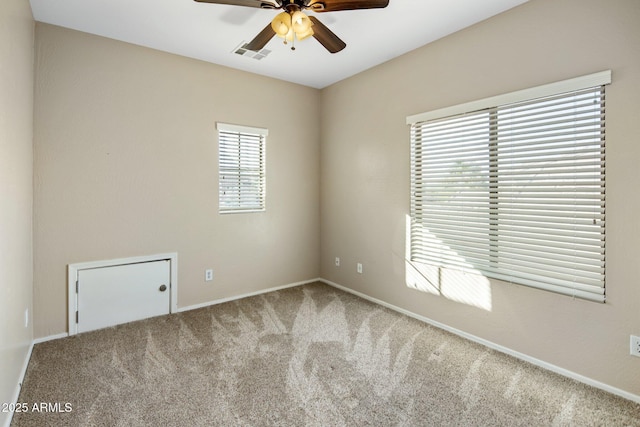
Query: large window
point(241, 159)
point(514, 187)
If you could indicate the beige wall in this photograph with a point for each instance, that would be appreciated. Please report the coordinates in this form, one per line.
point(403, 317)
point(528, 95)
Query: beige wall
point(365, 176)
point(16, 194)
point(125, 165)
point(125, 161)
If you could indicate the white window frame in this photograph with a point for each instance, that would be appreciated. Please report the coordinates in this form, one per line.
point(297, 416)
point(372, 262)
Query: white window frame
point(241, 160)
point(490, 264)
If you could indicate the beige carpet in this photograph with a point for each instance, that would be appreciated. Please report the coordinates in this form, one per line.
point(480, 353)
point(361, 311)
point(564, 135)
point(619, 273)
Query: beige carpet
point(305, 356)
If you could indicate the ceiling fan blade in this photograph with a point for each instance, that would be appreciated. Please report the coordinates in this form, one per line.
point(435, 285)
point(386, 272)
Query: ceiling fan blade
point(336, 5)
point(326, 37)
point(261, 39)
point(262, 4)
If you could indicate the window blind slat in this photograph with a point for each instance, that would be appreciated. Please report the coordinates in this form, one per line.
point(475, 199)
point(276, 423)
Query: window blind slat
point(515, 191)
point(241, 168)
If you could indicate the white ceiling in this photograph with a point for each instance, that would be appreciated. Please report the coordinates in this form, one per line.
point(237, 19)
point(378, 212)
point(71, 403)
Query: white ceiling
point(211, 32)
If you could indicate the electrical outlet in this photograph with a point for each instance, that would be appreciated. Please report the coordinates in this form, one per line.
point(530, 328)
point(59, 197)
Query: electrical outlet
point(26, 318)
point(635, 346)
point(359, 268)
point(208, 275)
point(337, 261)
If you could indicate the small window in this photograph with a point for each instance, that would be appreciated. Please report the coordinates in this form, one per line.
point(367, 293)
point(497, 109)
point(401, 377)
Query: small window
point(515, 189)
point(241, 159)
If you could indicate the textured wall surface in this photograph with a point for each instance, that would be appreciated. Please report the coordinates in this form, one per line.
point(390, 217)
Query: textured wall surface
point(16, 191)
point(365, 178)
point(126, 165)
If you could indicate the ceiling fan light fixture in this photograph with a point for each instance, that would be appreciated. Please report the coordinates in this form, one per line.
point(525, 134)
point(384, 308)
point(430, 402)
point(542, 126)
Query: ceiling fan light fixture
point(281, 24)
point(289, 36)
point(304, 35)
point(292, 25)
point(301, 22)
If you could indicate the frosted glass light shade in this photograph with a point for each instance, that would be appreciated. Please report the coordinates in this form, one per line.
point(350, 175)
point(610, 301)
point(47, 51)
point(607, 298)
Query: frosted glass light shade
point(301, 22)
point(302, 36)
point(281, 24)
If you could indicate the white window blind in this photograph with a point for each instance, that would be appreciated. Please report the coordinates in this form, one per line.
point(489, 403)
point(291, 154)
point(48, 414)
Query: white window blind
point(241, 159)
point(515, 191)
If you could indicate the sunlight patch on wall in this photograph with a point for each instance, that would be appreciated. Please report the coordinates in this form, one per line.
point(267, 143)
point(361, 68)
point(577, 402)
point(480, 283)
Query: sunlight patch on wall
point(468, 287)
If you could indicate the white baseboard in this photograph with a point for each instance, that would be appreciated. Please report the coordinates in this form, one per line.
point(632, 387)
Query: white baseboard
point(201, 305)
point(50, 338)
point(494, 346)
point(250, 294)
point(25, 365)
point(23, 372)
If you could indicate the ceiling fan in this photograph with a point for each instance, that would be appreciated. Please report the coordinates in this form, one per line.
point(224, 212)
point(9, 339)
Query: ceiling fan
point(293, 24)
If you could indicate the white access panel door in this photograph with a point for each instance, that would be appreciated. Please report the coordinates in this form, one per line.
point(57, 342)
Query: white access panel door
point(113, 295)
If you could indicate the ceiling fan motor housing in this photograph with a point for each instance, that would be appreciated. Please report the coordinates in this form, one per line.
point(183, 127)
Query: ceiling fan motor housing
point(294, 5)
